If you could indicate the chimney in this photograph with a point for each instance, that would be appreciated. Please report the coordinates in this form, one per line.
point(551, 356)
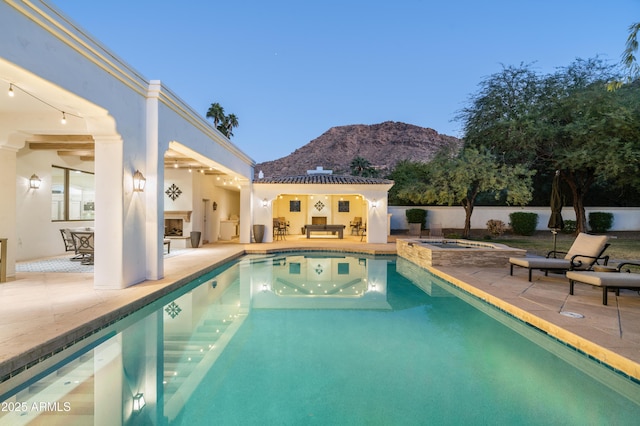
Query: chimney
point(319, 171)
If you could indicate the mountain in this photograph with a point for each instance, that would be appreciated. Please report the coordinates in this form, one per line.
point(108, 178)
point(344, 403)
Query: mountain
point(383, 145)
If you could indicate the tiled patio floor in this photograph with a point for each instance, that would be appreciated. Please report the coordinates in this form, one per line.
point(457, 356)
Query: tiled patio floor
point(43, 311)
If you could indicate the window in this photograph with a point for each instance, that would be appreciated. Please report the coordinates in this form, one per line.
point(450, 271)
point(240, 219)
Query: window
point(72, 194)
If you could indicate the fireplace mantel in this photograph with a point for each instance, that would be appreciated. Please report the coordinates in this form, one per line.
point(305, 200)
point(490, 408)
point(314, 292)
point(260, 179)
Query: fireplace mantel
point(178, 214)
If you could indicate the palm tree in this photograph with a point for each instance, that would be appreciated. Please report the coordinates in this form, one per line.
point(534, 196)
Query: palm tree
point(362, 167)
point(217, 113)
point(231, 121)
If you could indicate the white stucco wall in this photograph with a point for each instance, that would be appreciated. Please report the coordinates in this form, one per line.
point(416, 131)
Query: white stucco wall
point(625, 218)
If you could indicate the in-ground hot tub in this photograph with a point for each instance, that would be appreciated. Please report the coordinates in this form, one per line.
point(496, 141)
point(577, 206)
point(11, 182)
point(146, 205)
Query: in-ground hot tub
point(452, 252)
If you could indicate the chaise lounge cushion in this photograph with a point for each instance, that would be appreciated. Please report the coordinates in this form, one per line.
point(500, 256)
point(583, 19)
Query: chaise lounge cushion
point(583, 253)
point(606, 280)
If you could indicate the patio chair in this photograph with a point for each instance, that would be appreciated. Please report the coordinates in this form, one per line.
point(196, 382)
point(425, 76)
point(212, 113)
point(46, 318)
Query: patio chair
point(285, 223)
point(69, 245)
point(83, 241)
point(585, 251)
point(355, 225)
point(612, 279)
point(279, 230)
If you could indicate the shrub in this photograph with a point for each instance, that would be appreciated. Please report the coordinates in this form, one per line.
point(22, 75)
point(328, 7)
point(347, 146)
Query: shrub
point(496, 227)
point(417, 216)
point(523, 223)
point(570, 227)
point(600, 221)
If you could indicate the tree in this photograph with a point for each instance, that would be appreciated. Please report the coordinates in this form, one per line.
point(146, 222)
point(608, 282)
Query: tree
point(362, 167)
point(404, 175)
point(499, 114)
point(217, 113)
point(570, 122)
point(224, 123)
point(231, 122)
point(629, 60)
point(459, 179)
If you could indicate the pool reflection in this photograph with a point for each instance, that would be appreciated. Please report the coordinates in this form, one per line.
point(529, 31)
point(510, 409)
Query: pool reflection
point(160, 354)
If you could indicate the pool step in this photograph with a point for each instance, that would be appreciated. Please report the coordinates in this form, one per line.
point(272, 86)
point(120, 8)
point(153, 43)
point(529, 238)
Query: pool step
point(183, 351)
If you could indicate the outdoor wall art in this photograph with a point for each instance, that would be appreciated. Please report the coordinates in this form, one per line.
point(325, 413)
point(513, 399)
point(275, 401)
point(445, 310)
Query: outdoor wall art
point(319, 205)
point(173, 192)
point(294, 205)
point(343, 206)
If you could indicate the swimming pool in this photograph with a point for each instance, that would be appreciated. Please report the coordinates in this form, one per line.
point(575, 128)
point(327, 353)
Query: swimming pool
point(323, 338)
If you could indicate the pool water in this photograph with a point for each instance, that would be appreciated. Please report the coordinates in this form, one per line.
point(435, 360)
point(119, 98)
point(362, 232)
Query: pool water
point(312, 338)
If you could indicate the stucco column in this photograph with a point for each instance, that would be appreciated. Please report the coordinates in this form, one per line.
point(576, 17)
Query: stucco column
point(109, 231)
point(377, 220)
point(154, 200)
point(246, 213)
point(8, 195)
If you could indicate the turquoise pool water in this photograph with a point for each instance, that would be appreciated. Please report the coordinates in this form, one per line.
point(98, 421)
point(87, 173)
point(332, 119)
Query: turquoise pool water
point(317, 338)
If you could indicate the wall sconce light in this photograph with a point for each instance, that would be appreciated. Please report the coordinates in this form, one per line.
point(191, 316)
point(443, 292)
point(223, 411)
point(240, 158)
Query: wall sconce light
point(374, 203)
point(138, 403)
point(138, 181)
point(34, 181)
point(265, 203)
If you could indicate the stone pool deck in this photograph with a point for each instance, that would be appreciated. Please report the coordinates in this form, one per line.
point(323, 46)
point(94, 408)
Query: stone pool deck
point(45, 311)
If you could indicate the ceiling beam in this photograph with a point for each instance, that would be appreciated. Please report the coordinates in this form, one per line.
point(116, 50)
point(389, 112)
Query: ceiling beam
point(62, 146)
point(76, 153)
point(60, 138)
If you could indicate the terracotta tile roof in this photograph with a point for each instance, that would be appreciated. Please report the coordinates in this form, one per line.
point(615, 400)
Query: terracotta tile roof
point(324, 179)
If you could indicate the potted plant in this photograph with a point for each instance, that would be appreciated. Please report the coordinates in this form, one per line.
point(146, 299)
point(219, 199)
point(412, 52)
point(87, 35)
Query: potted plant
point(417, 220)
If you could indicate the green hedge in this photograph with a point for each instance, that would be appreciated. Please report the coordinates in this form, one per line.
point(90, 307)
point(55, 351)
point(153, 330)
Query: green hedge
point(523, 223)
point(570, 227)
point(600, 221)
point(417, 216)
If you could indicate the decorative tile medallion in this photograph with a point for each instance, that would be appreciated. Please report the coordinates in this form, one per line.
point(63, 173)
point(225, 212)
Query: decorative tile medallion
point(319, 205)
point(173, 192)
point(173, 309)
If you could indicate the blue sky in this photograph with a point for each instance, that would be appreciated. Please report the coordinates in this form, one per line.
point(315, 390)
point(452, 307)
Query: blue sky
point(290, 70)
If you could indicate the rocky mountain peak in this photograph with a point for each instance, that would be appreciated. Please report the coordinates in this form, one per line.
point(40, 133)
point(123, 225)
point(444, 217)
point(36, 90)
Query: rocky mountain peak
point(383, 145)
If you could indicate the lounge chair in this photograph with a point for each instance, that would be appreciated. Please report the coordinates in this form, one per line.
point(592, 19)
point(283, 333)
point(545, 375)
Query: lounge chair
point(585, 251)
point(614, 279)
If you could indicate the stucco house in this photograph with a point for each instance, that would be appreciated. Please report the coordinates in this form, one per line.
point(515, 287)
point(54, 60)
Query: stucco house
point(81, 122)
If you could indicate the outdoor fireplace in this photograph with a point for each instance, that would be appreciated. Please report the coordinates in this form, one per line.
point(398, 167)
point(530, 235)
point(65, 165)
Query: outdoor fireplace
point(318, 220)
point(173, 227)
point(174, 222)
